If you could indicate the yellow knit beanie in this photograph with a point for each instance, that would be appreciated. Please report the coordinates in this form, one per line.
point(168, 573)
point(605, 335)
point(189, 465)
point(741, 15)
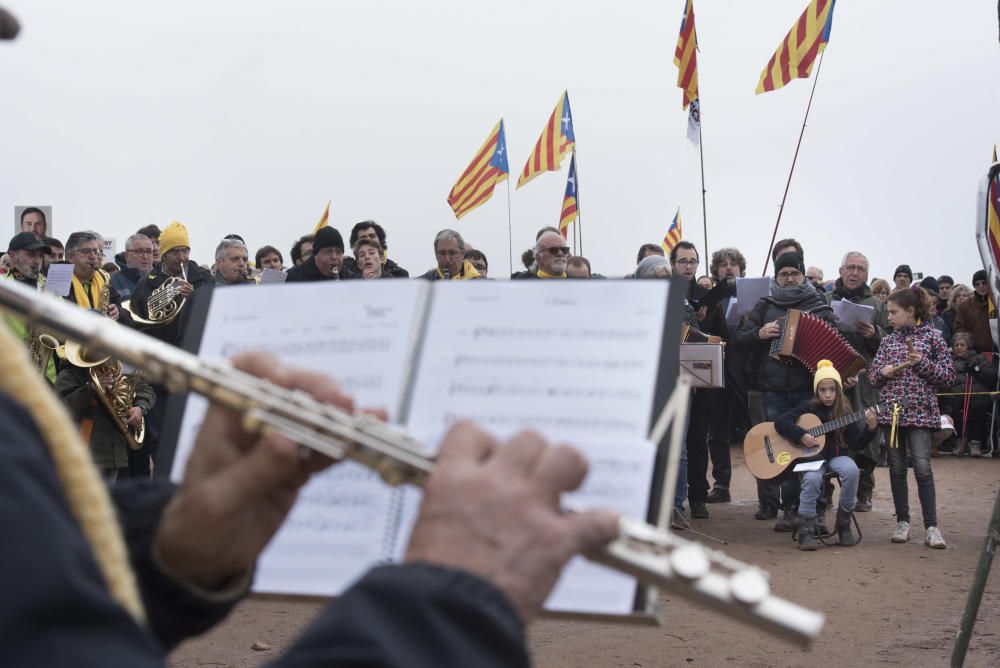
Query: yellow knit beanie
point(174, 236)
point(825, 371)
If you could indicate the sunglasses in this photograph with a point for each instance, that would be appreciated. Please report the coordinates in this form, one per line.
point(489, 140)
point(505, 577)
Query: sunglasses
point(556, 250)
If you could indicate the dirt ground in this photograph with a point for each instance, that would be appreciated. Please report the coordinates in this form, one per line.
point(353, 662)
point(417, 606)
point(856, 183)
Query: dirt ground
point(884, 603)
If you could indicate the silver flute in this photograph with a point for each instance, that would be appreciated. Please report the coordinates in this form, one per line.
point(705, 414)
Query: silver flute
point(653, 556)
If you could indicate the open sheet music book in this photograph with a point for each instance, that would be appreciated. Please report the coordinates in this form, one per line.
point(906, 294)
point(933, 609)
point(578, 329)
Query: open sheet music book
point(589, 363)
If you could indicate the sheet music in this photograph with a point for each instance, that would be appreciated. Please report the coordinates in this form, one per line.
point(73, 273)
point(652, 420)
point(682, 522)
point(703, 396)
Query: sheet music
point(344, 519)
point(850, 315)
point(58, 279)
point(272, 276)
point(749, 291)
point(572, 360)
point(576, 361)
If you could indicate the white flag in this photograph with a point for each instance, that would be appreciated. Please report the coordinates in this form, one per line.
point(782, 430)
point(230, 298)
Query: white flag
point(694, 122)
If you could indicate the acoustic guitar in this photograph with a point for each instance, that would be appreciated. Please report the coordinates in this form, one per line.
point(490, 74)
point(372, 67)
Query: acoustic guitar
point(768, 454)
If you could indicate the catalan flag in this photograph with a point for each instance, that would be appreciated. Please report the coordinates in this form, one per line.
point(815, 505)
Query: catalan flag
point(324, 220)
point(686, 57)
point(798, 51)
point(487, 169)
point(674, 233)
point(556, 141)
point(569, 209)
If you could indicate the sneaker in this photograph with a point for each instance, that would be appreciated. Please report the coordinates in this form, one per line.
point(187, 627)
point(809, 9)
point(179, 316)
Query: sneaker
point(698, 511)
point(902, 532)
point(934, 539)
point(765, 512)
point(678, 520)
point(864, 504)
point(718, 495)
point(976, 450)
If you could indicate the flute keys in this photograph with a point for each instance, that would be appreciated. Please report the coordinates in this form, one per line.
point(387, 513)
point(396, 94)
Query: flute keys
point(690, 562)
point(749, 586)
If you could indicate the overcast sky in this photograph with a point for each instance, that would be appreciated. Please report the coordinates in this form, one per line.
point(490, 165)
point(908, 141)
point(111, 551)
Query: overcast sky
point(248, 116)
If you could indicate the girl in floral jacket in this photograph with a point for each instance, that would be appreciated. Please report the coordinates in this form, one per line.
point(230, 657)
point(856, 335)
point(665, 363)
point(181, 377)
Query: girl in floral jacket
point(910, 311)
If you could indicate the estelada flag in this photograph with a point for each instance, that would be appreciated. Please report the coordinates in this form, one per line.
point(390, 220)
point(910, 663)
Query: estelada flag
point(569, 208)
point(324, 220)
point(800, 48)
point(993, 217)
point(686, 57)
point(487, 169)
point(674, 233)
point(556, 141)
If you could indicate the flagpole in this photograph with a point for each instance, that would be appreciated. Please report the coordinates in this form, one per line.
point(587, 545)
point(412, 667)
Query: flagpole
point(579, 209)
point(794, 158)
point(510, 234)
point(704, 213)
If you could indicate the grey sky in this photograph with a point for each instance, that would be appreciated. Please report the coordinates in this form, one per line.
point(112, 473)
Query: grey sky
point(248, 116)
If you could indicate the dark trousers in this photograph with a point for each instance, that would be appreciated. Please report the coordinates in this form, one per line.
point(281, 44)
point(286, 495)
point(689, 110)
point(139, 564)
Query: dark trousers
point(917, 444)
point(697, 446)
point(718, 437)
point(781, 492)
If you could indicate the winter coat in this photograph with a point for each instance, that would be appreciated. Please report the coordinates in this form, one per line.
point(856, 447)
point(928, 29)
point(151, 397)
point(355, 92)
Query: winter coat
point(108, 446)
point(766, 373)
point(919, 384)
point(308, 272)
point(349, 269)
point(854, 437)
point(973, 316)
point(173, 332)
point(862, 395)
point(124, 281)
point(976, 368)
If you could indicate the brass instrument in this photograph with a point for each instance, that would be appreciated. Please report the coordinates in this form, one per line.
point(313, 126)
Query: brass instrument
point(650, 554)
point(119, 399)
point(105, 303)
point(162, 307)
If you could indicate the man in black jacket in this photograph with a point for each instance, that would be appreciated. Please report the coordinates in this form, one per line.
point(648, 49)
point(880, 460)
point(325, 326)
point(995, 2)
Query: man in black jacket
point(325, 262)
point(784, 384)
point(486, 549)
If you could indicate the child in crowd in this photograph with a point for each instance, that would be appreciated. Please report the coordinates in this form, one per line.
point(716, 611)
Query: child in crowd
point(911, 363)
point(828, 403)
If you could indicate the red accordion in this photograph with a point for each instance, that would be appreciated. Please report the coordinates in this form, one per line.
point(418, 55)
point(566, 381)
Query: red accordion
point(809, 339)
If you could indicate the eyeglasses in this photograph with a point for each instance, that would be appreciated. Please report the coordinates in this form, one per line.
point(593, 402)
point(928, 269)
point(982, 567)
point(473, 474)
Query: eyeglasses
point(860, 268)
point(89, 251)
point(687, 262)
point(556, 250)
point(141, 251)
point(882, 293)
point(449, 253)
point(788, 275)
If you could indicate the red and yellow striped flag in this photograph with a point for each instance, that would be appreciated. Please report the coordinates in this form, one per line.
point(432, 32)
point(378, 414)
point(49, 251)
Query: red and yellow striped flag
point(800, 48)
point(324, 221)
point(487, 169)
point(569, 207)
point(686, 57)
point(556, 141)
point(674, 233)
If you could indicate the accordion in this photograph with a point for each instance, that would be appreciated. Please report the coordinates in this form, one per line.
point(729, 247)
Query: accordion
point(692, 335)
point(809, 339)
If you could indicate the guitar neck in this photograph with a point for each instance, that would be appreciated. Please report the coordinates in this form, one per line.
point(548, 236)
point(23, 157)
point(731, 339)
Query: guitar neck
point(844, 421)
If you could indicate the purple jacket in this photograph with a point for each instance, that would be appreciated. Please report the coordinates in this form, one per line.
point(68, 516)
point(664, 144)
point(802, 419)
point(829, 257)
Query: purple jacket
point(918, 383)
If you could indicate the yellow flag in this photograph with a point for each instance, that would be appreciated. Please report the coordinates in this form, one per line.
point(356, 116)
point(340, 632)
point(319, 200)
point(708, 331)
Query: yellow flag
point(324, 221)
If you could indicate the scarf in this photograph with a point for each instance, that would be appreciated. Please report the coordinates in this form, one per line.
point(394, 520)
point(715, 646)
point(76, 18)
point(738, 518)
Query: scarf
point(803, 297)
point(468, 271)
point(96, 288)
point(543, 274)
point(861, 292)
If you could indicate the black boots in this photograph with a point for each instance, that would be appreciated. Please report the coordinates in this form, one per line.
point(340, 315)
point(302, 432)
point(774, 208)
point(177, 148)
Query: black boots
point(807, 533)
point(844, 527)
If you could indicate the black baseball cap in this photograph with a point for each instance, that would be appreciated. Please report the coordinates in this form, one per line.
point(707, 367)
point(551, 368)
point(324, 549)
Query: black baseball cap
point(29, 241)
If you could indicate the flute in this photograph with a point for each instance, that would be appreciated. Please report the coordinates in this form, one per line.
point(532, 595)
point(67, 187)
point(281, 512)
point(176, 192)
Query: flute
point(651, 555)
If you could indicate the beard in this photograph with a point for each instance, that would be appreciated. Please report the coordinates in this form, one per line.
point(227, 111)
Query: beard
point(559, 266)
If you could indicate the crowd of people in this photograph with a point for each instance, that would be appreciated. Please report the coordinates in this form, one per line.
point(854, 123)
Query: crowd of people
point(927, 342)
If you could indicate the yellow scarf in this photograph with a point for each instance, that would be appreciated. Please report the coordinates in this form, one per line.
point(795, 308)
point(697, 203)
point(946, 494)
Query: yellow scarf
point(96, 289)
point(543, 274)
point(468, 271)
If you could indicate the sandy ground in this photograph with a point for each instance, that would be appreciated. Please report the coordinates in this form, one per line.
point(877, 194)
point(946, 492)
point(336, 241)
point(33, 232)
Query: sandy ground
point(885, 603)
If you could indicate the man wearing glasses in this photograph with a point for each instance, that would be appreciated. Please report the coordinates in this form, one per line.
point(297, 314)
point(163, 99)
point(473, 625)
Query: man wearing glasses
point(138, 263)
point(852, 286)
point(84, 250)
point(551, 257)
point(784, 385)
point(973, 315)
point(449, 250)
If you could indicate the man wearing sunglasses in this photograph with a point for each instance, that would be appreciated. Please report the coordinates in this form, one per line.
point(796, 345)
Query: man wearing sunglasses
point(551, 257)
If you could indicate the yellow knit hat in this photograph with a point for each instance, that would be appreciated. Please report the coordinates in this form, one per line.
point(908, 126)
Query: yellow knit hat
point(825, 371)
point(174, 236)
